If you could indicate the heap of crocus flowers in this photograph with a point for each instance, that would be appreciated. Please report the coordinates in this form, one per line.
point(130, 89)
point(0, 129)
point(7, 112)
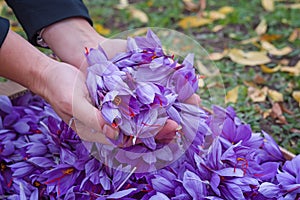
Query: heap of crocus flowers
point(213, 156)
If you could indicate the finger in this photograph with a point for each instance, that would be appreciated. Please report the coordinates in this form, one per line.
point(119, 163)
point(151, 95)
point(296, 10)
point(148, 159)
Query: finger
point(168, 132)
point(194, 100)
point(92, 118)
point(87, 134)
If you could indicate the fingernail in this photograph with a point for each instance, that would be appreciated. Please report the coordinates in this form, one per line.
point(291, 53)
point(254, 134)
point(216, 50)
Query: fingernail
point(178, 128)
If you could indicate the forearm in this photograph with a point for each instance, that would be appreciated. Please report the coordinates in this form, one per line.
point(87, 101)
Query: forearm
point(69, 38)
point(23, 63)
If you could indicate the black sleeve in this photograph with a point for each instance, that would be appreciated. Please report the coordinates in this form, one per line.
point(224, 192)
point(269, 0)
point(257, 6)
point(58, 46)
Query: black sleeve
point(4, 27)
point(34, 15)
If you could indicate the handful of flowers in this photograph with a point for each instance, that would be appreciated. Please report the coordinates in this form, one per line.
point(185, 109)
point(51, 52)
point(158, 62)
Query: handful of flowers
point(138, 91)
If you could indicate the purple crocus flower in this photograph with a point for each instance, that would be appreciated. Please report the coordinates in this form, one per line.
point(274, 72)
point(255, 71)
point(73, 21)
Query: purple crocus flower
point(185, 79)
point(288, 182)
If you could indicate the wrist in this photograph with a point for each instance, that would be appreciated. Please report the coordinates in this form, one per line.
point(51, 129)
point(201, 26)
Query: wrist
point(38, 85)
point(69, 38)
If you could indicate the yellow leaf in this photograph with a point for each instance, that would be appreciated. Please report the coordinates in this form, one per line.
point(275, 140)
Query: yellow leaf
point(122, 5)
point(16, 28)
point(190, 5)
point(138, 14)
point(275, 96)
point(250, 40)
point(274, 51)
point(268, 5)
point(218, 55)
point(268, 70)
point(261, 27)
point(193, 22)
point(270, 37)
point(217, 28)
point(293, 6)
point(296, 96)
point(267, 113)
point(150, 3)
point(226, 10)
point(214, 15)
point(292, 70)
point(250, 58)
point(294, 35)
point(101, 30)
point(257, 95)
point(232, 95)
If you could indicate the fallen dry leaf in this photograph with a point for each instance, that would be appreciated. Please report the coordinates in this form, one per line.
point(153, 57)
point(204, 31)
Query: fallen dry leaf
point(285, 109)
point(16, 28)
point(207, 71)
point(190, 5)
point(267, 113)
point(293, 6)
point(277, 114)
point(270, 37)
point(232, 95)
point(259, 79)
point(101, 30)
point(122, 4)
point(261, 27)
point(290, 87)
point(294, 35)
point(218, 55)
point(214, 15)
point(217, 28)
point(250, 58)
point(268, 70)
point(284, 61)
point(193, 22)
point(226, 10)
point(274, 51)
point(249, 84)
point(138, 14)
point(257, 95)
point(275, 96)
point(268, 5)
point(250, 40)
point(295, 70)
point(294, 130)
point(296, 96)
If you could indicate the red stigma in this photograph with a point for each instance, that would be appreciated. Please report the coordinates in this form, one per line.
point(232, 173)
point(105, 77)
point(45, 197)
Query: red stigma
point(127, 186)
point(86, 50)
point(37, 131)
point(114, 125)
point(10, 183)
point(244, 165)
point(154, 56)
point(131, 113)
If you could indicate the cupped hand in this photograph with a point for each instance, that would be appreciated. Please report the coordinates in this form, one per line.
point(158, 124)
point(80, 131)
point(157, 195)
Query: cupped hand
point(63, 86)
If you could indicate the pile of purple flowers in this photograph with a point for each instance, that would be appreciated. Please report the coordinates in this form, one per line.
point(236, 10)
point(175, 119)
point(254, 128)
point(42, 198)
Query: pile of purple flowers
point(40, 156)
point(213, 156)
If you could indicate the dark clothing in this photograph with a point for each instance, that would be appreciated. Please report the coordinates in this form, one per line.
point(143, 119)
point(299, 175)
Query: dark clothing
point(4, 27)
point(34, 15)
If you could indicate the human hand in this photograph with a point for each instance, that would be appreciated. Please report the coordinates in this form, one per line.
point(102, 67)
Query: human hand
point(70, 49)
point(63, 86)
